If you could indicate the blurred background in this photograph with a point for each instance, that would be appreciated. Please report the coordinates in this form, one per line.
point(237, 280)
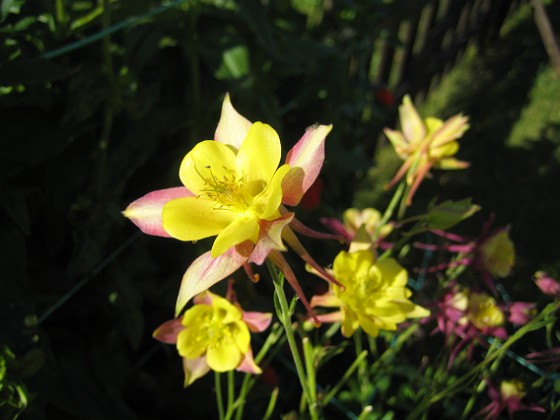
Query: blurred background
point(100, 100)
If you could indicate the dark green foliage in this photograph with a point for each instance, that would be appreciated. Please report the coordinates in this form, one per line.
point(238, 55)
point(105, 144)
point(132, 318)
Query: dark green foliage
point(99, 102)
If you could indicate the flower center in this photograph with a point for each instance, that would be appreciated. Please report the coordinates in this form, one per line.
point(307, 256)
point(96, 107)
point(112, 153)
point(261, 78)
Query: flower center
point(228, 190)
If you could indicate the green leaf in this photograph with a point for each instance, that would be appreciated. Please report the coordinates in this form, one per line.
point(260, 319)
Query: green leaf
point(447, 214)
point(235, 63)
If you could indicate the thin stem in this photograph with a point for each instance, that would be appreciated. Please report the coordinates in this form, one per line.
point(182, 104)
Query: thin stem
point(230, 395)
point(274, 338)
point(391, 207)
point(285, 318)
point(355, 364)
point(104, 263)
point(271, 404)
point(219, 398)
point(310, 369)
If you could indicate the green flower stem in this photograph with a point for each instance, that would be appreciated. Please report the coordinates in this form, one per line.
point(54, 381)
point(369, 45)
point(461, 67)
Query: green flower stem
point(284, 314)
point(275, 337)
point(219, 398)
point(391, 207)
point(310, 368)
point(271, 404)
point(230, 395)
point(496, 351)
point(355, 364)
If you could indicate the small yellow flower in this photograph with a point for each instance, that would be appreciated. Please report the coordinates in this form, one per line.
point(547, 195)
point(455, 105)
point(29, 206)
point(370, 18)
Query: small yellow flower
point(217, 331)
point(512, 389)
point(497, 254)
point(354, 219)
point(375, 296)
point(483, 311)
point(425, 144)
point(214, 334)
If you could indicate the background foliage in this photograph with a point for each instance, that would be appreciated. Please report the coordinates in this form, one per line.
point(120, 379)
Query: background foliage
point(99, 103)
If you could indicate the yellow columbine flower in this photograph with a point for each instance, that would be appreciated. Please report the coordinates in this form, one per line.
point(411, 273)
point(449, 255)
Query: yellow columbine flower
point(233, 190)
point(217, 331)
point(425, 144)
point(375, 296)
point(214, 334)
point(497, 254)
point(512, 389)
point(483, 311)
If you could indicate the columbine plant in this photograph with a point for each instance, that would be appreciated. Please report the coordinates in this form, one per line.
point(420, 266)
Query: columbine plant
point(236, 189)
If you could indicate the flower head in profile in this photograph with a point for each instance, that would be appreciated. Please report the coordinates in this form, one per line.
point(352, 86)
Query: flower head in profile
point(547, 284)
point(508, 397)
point(359, 226)
point(424, 144)
point(235, 190)
point(496, 254)
point(374, 297)
point(464, 316)
point(214, 334)
point(492, 254)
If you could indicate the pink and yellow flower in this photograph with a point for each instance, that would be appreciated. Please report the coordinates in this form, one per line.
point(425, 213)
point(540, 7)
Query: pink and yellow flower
point(214, 334)
point(360, 227)
point(492, 254)
point(235, 190)
point(424, 144)
point(508, 397)
point(374, 295)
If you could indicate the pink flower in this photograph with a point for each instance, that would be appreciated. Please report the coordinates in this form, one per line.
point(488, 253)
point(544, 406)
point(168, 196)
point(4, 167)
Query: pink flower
point(492, 254)
point(508, 397)
point(547, 284)
point(520, 312)
point(464, 316)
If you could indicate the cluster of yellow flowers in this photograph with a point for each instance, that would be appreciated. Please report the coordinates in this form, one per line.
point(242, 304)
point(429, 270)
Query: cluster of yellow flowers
point(236, 189)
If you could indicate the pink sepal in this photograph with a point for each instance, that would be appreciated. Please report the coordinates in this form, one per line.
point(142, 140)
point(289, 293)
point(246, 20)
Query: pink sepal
point(327, 300)
point(257, 321)
point(146, 211)
point(270, 238)
point(331, 317)
point(168, 331)
point(305, 160)
point(248, 364)
point(194, 369)
point(206, 271)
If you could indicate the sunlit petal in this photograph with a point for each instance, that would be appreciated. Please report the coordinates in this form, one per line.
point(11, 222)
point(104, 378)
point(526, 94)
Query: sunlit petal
point(232, 127)
point(146, 212)
point(194, 218)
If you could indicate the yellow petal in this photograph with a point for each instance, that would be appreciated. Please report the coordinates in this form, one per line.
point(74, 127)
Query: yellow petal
point(258, 157)
point(190, 344)
point(267, 203)
point(241, 336)
point(411, 124)
point(207, 164)
point(224, 357)
point(244, 227)
point(393, 272)
point(194, 218)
